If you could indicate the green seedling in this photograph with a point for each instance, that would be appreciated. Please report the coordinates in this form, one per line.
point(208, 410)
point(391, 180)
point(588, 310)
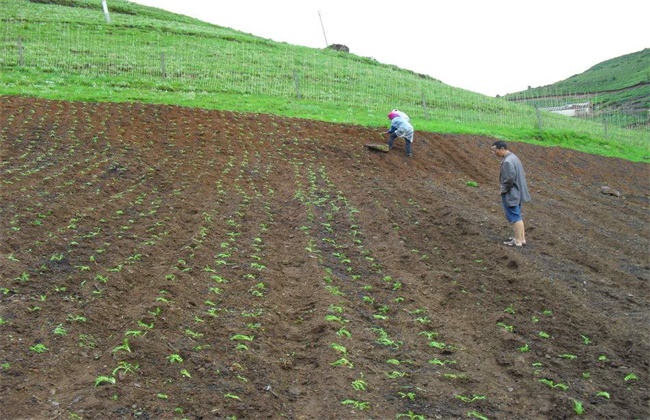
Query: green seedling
point(603, 394)
point(24, 277)
point(343, 362)
point(524, 348)
point(76, 318)
point(104, 380)
point(471, 399)
point(126, 367)
point(334, 318)
point(472, 184)
point(553, 385)
point(339, 348)
point(344, 333)
point(334, 290)
point(201, 347)
point(335, 308)
point(437, 345)
point(429, 334)
point(509, 328)
point(368, 299)
point(143, 324)
point(39, 348)
point(476, 415)
point(631, 377)
point(509, 310)
point(175, 358)
point(185, 373)
point(569, 356)
point(58, 330)
point(542, 334)
point(411, 416)
point(232, 396)
point(359, 405)
point(578, 407)
point(408, 395)
point(585, 340)
point(162, 396)
point(603, 358)
point(242, 337)
point(124, 346)
point(396, 374)
point(359, 384)
point(193, 334)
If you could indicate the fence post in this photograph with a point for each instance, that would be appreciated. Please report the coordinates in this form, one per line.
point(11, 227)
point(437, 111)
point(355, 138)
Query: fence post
point(21, 56)
point(297, 82)
point(605, 125)
point(424, 107)
point(162, 65)
point(539, 118)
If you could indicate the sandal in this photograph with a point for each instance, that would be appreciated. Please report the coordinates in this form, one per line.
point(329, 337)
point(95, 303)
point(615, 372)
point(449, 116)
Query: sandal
point(512, 239)
point(512, 242)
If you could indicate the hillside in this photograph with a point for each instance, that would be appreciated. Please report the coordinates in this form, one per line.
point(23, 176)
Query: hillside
point(64, 50)
point(619, 86)
point(167, 262)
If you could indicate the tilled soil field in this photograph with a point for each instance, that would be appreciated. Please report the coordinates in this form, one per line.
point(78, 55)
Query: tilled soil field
point(164, 262)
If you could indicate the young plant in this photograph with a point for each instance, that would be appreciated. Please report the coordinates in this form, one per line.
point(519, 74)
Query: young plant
point(471, 399)
point(411, 416)
point(104, 380)
point(126, 367)
point(359, 384)
point(476, 415)
point(124, 346)
point(578, 407)
point(359, 405)
point(39, 348)
point(553, 385)
point(175, 358)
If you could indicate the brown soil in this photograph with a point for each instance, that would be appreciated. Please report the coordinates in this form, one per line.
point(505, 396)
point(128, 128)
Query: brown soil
point(290, 267)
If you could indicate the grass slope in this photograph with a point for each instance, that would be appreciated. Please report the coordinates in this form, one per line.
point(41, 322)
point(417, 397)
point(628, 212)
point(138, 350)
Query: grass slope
point(154, 56)
point(618, 85)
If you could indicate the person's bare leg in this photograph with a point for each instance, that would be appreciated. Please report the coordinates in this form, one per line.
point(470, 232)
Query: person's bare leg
point(520, 233)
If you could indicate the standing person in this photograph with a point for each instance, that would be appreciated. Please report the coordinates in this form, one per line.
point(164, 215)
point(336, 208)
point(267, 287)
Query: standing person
point(399, 127)
point(514, 190)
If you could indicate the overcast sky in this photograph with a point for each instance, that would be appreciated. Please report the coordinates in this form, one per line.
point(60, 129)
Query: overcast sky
point(486, 46)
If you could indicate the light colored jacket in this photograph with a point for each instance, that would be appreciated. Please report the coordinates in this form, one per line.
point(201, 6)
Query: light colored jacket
point(401, 128)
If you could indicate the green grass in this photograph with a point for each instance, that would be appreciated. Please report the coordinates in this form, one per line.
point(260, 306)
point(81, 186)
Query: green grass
point(619, 90)
point(63, 49)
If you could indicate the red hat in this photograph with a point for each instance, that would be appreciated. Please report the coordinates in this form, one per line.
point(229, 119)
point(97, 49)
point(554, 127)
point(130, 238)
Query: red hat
point(392, 115)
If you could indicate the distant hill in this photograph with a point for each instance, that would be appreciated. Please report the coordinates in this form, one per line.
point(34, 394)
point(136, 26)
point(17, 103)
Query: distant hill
point(619, 86)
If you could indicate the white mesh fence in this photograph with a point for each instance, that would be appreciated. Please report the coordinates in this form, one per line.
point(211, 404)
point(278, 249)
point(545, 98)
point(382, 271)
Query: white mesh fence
point(222, 65)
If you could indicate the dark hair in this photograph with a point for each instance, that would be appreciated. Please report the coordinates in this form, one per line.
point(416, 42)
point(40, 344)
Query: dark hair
point(500, 144)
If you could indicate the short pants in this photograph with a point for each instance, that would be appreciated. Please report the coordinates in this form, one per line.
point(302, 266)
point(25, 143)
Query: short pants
point(513, 213)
